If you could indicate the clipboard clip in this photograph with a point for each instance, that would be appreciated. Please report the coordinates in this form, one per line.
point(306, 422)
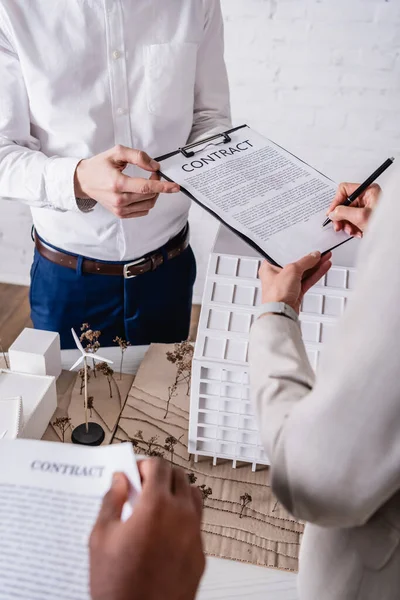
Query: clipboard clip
point(188, 152)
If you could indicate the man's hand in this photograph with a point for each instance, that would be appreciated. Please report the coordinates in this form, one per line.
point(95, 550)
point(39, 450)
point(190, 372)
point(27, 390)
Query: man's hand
point(101, 178)
point(291, 283)
point(353, 219)
point(157, 553)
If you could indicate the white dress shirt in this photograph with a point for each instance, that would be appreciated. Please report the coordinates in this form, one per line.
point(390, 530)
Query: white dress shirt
point(80, 76)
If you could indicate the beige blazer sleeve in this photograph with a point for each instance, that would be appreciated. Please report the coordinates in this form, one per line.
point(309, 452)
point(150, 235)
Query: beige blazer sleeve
point(334, 443)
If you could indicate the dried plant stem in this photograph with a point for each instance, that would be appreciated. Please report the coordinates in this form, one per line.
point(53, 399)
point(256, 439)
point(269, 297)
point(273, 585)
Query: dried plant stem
point(86, 395)
point(62, 424)
point(94, 367)
point(120, 366)
point(4, 355)
point(245, 500)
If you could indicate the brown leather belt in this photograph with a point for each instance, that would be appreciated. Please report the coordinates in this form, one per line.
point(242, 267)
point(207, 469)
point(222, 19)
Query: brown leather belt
point(150, 262)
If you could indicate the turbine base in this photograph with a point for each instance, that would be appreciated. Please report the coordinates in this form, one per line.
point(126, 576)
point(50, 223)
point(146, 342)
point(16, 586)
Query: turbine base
point(94, 436)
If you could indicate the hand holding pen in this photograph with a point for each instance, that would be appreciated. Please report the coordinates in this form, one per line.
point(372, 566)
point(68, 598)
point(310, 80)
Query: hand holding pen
point(353, 204)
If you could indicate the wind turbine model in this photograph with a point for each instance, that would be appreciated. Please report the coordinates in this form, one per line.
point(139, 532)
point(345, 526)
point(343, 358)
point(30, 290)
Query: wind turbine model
point(88, 434)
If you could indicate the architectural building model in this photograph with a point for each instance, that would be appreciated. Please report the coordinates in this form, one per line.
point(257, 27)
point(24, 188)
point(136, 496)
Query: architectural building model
point(36, 352)
point(222, 422)
point(35, 363)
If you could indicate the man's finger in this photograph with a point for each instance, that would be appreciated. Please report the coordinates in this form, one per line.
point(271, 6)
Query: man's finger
point(123, 154)
point(197, 500)
point(139, 206)
point(156, 473)
point(155, 177)
point(308, 262)
point(180, 483)
point(135, 215)
point(136, 185)
point(114, 501)
point(356, 216)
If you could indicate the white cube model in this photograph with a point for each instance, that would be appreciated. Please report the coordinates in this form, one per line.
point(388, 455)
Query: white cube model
point(37, 352)
point(222, 421)
point(39, 400)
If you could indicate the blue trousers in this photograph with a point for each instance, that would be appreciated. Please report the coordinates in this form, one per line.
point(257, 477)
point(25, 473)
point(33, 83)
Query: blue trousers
point(153, 307)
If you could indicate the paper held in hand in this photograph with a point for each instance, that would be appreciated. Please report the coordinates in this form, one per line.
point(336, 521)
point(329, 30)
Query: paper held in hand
point(50, 495)
point(267, 196)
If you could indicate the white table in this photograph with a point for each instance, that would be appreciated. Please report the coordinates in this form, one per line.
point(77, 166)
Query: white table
point(225, 579)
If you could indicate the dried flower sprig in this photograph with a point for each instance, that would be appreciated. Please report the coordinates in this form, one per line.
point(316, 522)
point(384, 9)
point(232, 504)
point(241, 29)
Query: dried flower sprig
point(149, 448)
point(170, 443)
point(90, 405)
point(123, 344)
point(81, 374)
point(245, 500)
point(108, 372)
point(206, 492)
point(192, 478)
point(4, 355)
point(182, 357)
point(90, 341)
point(63, 424)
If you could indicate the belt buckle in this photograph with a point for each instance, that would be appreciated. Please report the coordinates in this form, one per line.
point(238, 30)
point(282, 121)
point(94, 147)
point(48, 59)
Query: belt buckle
point(127, 275)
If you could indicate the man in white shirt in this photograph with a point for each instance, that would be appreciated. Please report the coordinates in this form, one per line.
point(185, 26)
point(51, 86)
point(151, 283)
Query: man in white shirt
point(82, 86)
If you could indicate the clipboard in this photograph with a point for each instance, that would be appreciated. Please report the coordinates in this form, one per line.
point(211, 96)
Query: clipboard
point(189, 151)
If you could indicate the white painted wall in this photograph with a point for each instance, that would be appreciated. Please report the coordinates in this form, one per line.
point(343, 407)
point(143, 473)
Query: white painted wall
point(320, 77)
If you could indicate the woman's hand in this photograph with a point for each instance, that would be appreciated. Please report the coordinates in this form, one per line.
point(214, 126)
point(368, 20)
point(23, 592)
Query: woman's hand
point(353, 219)
point(291, 283)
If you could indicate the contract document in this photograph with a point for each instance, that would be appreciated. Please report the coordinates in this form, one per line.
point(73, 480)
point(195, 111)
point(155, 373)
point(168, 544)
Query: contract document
point(270, 198)
point(50, 496)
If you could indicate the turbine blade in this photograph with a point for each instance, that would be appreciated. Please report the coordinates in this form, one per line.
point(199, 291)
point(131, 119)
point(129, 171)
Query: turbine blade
point(77, 341)
point(101, 359)
point(78, 362)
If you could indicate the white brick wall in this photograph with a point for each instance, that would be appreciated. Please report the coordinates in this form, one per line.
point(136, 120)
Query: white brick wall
point(320, 77)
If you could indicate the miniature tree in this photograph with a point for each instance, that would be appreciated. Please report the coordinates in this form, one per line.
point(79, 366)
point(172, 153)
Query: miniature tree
point(151, 444)
point(149, 447)
point(123, 344)
point(206, 492)
point(84, 372)
point(4, 355)
point(245, 500)
point(62, 424)
point(108, 372)
point(182, 357)
point(90, 405)
point(90, 341)
point(170, 443)
point(192, 478)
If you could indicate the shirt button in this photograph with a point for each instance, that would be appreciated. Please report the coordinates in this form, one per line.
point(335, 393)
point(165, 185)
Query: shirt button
point(121, 111)
point(116, 54)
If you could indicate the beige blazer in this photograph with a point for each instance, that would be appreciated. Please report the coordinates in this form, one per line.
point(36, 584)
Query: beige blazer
point(334, 440)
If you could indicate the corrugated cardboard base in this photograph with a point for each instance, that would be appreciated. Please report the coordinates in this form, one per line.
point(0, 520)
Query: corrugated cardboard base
point(266, 534)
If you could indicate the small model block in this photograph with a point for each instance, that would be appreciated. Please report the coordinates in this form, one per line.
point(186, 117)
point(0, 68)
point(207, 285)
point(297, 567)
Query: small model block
point(36, 352)
point(39, 400)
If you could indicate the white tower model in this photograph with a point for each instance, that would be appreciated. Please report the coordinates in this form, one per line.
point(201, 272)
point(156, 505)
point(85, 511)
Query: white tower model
point(222, 421)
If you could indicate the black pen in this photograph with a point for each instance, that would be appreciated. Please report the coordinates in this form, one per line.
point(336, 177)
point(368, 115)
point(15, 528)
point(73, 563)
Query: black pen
point(357, 193)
